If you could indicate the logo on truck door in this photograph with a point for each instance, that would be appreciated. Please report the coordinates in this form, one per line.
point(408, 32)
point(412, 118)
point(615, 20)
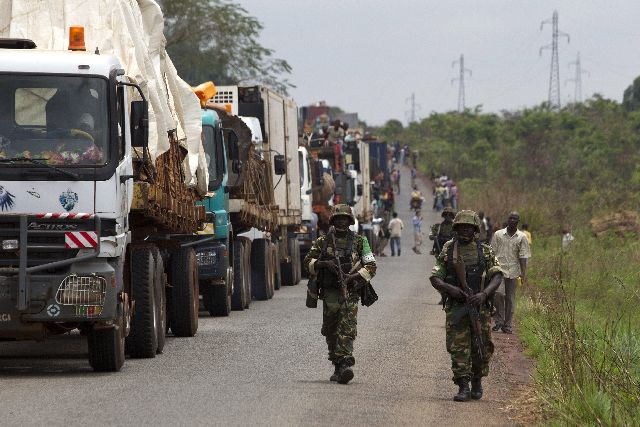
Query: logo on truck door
point(68, 200)
point(6, 199)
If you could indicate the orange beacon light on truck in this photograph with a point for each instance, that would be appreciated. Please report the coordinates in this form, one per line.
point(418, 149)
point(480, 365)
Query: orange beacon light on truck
point(76, 38)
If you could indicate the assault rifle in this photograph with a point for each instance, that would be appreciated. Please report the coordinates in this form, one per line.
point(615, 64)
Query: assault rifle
point(343, 285)
point(470, 309)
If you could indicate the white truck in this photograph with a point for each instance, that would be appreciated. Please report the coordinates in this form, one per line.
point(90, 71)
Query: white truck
point(101, 164)
point(270, 219)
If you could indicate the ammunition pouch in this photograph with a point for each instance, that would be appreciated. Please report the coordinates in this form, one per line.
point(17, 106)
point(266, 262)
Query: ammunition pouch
point(368, 295)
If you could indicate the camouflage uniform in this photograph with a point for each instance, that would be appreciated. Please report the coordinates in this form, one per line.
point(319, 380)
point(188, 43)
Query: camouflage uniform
point(478, 258)
point(339, 319)
point(442, 233)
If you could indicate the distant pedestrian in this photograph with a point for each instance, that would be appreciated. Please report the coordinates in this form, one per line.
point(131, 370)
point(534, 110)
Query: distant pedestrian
point(567, 238)
point(414, 175)
point(383, 234)
point(489, 226)
point(483, 227)
point(525, 230)
point(395, 232)
point(513, 252)
point(453, 196)
point(417, 232)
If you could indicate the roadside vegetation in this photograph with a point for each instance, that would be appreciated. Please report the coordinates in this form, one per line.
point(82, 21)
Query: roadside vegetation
point(578, 314)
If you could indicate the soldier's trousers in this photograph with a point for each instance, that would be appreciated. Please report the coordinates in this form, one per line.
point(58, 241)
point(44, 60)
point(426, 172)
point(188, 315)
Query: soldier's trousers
point(465, 362)
point(339, 325)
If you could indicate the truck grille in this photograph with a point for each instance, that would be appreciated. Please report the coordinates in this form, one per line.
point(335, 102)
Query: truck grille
point(45, 239)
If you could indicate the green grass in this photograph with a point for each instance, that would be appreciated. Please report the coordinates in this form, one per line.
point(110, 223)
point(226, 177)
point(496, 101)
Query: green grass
point(579, 317)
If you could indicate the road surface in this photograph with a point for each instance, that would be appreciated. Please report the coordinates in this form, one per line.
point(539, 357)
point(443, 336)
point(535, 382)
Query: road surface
point(265, 366)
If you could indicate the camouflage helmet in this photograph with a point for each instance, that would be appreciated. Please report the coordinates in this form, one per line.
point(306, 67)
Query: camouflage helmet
point(467, 217)
point(344, 210)
point(448, 211)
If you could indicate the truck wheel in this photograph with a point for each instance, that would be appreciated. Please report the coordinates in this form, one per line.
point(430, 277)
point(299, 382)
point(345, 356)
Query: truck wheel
point(161, 299)
point(143, 338)
point(217, 298)
point(246, 270)
point(239, 296)
point(277, 272)
point(297, 262)
point(185, 300)
point(106, 346)
point(260, 271)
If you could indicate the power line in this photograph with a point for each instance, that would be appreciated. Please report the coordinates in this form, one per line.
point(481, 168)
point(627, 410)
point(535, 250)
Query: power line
point(577, 80)
point(554, 74)
point(460, 80)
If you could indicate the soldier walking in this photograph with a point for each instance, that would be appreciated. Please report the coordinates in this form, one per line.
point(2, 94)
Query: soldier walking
point(339, 286)
point(443, 232)
point(467, 273)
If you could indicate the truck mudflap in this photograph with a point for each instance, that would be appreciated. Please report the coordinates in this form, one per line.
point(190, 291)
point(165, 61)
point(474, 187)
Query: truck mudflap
point(50, 272)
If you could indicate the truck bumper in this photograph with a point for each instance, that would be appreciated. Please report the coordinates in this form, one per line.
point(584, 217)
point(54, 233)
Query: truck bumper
point(88, 294)
point(213, 260)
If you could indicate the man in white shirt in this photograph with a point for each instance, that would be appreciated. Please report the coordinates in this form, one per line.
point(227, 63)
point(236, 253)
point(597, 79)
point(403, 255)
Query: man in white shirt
point(512, 250)
point(395, 231)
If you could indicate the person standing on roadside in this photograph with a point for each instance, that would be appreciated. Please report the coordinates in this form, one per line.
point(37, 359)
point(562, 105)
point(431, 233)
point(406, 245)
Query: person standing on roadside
point(512, 249)
point(384, 234)
point(414, 175)
point(417, 232)
point(395, 231)
point(525, 230)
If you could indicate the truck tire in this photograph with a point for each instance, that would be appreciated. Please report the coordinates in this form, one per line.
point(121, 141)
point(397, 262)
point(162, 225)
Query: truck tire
point(142, 341)
point(185, 301)
point(106, 346)
point(217, 298)
point(297, 262)
point(277, 276)
point(161, 299)
point(239, 296)
point(260, 270)
point(246, 244)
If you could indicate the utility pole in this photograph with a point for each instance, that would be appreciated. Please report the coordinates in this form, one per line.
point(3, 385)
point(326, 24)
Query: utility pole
point(554, 75)
point(460, 80)
point(577, 80)
point(412, 117)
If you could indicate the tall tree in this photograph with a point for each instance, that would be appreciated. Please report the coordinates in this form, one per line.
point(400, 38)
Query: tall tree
point(218, 40)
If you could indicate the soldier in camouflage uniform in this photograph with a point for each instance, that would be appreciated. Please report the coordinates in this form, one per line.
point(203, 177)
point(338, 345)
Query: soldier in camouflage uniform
point(443, 232)
point(340, 305)
point(483, 276)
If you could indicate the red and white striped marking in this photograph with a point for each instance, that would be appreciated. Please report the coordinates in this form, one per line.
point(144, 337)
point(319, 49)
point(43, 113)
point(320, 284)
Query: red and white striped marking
point(80, 239)
point(65, 215)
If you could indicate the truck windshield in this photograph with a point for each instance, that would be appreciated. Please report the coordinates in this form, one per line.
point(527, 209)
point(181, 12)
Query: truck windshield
point(57, 120)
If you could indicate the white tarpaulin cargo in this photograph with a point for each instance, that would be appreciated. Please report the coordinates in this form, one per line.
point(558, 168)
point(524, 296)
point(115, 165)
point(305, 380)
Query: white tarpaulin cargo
point(132, 30)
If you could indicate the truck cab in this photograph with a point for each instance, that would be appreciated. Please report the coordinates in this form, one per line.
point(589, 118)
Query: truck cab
point(66, 169)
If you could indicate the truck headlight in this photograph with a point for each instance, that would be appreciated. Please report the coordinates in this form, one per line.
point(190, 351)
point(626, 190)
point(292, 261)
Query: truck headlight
point(206, 257)
point(10, 245)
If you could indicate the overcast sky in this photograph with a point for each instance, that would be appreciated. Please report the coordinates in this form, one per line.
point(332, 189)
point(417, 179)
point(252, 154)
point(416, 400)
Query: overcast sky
point(369, 56)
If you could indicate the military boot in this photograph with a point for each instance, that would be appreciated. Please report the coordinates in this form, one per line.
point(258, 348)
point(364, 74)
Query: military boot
point(336, 373)
point(463, 392)
point(476, 388)
point(345, 373)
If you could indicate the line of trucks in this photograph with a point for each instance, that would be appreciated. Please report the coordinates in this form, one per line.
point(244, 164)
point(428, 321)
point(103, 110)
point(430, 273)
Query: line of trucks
point(128, 199)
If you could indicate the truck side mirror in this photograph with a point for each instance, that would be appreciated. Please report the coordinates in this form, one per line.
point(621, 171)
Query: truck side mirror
point(279, 164)
point(236, 166)
point(359, 190)
point(139, 124)
point(234, 147)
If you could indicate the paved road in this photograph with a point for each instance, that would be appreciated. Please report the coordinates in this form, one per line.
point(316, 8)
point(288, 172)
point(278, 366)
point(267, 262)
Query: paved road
point(265, 366)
